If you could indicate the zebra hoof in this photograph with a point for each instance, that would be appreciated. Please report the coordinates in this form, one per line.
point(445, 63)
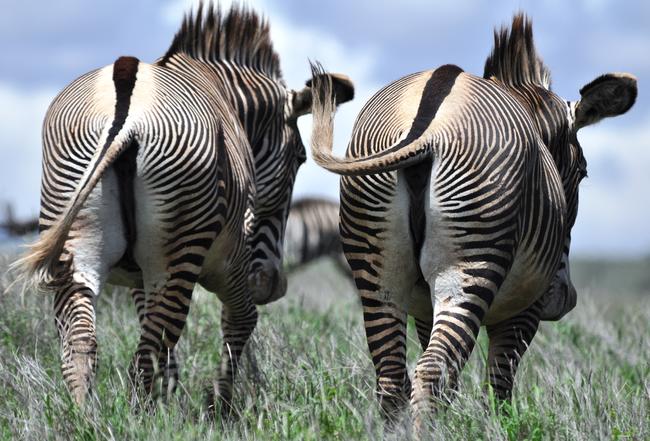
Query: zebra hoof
point(218, 408)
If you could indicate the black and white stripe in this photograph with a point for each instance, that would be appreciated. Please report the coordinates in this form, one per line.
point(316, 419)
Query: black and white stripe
point(457, 202)
point(159, 176)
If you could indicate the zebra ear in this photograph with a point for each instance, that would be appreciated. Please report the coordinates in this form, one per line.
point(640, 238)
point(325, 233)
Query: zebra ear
point(608, 95)
point(342, 87)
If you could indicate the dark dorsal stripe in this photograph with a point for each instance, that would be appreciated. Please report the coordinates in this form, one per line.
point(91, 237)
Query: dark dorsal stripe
point(124, 73)
point(125, 167)
point(124, 76)
point(417, 176)
point(435, 91)
point(417, 181)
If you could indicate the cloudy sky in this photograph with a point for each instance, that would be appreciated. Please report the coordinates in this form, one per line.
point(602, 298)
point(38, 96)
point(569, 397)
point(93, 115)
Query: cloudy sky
point(45, 45)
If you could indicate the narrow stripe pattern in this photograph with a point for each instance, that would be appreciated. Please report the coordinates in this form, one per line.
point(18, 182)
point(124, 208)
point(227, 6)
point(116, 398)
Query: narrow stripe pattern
point(313, 232)
point(160, 176)
point(458, 196)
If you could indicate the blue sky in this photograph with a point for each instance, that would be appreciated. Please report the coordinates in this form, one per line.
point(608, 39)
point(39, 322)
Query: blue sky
point(45, 45)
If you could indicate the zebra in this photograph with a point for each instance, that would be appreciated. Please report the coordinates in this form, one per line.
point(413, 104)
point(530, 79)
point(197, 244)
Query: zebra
point(160, 176)
point(312, 232)
point(458, 195)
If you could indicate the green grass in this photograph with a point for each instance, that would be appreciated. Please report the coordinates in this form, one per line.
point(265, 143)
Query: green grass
point(307, 375)
point(629, 276)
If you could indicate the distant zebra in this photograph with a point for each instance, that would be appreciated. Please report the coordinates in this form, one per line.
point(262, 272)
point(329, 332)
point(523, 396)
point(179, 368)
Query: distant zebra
point(457, 205)
point(159, 176)
point(313, 232)
point(14, 227)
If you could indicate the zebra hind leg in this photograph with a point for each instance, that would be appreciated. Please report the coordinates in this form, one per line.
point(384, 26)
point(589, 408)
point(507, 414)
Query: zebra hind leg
point(74, 311)
point(167, 365)
point(385, 326)
point(509, 340)
point(458, 312)
point(164, 319)
point(423, 329)
point(238, 320)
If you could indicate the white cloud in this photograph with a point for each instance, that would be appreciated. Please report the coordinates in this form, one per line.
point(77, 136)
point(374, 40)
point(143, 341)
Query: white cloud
point(626, 49)
point(21, 115)
point(615, 200)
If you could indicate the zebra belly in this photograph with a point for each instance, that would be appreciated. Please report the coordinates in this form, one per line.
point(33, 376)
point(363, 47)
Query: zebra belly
point(123, 277)
point(213, 275)
point(523, 285)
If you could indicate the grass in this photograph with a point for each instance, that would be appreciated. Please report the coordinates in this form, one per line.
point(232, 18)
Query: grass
point(307, 374)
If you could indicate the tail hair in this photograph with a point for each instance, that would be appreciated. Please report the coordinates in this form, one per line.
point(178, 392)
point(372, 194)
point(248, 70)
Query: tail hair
point(41, 267)
point(323, 110)
point(400, 155)
point(42, 263)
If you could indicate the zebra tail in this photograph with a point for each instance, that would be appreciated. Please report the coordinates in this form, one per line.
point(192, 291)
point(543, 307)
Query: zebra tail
point(41, 263)
point(395, 157)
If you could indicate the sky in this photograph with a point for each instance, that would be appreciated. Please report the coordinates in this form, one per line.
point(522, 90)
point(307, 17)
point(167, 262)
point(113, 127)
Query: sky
point(46, 45)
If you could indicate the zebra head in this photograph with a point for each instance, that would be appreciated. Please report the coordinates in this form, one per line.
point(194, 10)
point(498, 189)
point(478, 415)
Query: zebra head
point(558, 122)
point(234, 51)
point(608, 95)
point(278, 155)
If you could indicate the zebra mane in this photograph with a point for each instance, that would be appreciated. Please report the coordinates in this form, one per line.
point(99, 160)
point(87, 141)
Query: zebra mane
point(240, 35)
point(513, 60)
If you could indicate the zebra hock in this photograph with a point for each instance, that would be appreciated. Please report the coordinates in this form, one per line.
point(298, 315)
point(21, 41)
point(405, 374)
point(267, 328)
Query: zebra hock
point(458, 197)
point(160, 176)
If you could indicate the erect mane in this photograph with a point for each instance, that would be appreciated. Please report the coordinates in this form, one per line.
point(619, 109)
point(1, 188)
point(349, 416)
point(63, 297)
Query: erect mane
point(513, 60)
point(240, 35)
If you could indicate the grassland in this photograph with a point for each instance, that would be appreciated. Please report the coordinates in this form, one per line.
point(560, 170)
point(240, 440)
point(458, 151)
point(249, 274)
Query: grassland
point(307, 374)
